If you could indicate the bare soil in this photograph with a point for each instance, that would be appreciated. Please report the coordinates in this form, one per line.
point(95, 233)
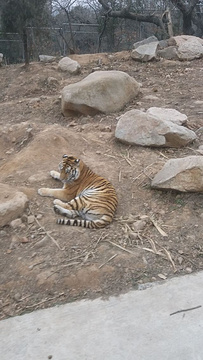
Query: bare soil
point(43, 264)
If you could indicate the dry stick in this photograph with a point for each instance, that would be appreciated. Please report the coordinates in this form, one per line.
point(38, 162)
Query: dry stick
point(169, 257)
point(100, 238)
point(143, 171)
point(111, 258)
point(46, 232)
point(155, 251)
point(179, 311)
point(162, 232)
point(119, 176)
point(120, 247)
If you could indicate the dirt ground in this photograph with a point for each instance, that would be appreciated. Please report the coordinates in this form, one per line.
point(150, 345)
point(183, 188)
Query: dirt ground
point(155, 235)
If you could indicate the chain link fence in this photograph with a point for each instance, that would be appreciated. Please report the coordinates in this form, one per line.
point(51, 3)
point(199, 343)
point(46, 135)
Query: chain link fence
point(117, 35)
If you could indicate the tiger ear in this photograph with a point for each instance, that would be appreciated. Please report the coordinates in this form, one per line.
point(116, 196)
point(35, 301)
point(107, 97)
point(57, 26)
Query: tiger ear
point(65, 156)
point(77, 161)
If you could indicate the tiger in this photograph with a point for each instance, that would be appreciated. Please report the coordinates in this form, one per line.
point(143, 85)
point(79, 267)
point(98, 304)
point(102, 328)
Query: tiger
point(87, 199)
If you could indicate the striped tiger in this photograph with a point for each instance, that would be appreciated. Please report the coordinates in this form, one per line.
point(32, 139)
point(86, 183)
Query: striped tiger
point(84, 194)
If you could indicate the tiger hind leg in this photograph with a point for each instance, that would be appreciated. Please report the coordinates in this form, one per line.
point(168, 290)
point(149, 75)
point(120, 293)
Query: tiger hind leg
point(87, 220)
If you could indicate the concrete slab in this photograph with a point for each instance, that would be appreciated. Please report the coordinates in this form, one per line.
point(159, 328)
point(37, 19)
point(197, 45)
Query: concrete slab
point(133, 326)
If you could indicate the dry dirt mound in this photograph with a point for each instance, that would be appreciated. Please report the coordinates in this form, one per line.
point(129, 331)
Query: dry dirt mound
point(155, 235)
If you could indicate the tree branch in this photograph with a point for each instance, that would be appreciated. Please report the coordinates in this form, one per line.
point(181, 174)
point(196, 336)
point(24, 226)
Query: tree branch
point(125, 13)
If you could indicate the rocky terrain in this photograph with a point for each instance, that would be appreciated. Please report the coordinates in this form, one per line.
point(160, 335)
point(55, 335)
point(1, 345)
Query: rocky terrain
point(157, 234)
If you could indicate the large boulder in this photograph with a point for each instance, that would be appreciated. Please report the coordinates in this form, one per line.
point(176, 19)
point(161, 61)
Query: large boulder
point(136, 127)
point(146, 52)
point(68, 65)
point(101, 91)
point(12, 204)
point(184, 174)
point(181, 39)
point(188, 47)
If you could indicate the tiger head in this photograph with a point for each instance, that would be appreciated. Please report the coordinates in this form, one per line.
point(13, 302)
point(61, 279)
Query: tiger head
point(69, 169)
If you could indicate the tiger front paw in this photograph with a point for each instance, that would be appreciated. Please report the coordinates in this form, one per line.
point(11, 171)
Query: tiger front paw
point(55, 174)
point(58, 202)
point(43, 192)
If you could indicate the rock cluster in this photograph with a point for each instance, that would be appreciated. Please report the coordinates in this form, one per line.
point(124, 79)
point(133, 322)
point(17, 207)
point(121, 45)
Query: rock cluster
point(182, 47)
point(156, 127)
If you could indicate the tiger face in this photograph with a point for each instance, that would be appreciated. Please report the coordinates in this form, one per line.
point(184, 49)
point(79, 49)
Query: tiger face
point(69, 169)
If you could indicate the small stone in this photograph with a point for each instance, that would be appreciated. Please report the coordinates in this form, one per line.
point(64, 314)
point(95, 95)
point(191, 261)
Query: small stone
point(52, 81)
point(24, 240)
point(16, 223)
point(39, 216)
point(180, 260)
point(24, 218)
point(30, 219)
point(139, 225)
point(188, 270)
point(9, 152)
point(162, 276)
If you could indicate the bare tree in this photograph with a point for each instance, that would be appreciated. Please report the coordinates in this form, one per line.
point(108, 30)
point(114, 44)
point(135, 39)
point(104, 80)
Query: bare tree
point(66, 7)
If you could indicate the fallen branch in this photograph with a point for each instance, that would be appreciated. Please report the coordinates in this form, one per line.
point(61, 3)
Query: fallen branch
point(184, 310)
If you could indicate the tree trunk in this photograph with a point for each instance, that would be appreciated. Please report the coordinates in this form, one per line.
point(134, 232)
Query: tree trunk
point(187, 24)
point(187, 13)
point(25, 47)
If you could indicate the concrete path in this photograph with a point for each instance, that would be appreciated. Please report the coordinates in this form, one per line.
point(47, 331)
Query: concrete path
point(134, 326)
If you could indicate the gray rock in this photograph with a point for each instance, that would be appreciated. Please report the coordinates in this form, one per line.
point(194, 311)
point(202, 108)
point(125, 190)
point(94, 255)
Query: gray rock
point(16, 223)
point(68, 65)
point(146, 52)
point(188, 47)
point(162, 44)
point(145, 41)
point(136, 127)
point(101, 91)
point(184, 174)
point(190, 50)
point(169, 53)
point(168, 114)
point(46, 58)
point(12, 204)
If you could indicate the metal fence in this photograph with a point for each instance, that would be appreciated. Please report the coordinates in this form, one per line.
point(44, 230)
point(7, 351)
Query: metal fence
point(119, 34)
